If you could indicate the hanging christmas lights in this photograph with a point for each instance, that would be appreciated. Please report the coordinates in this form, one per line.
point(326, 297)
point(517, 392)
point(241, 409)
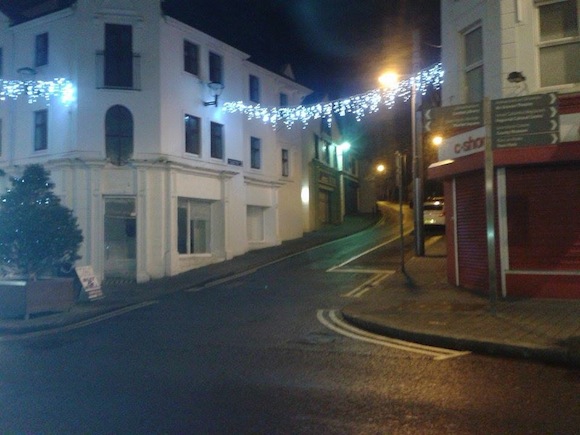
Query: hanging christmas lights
point(36, 90)
point(358, 105)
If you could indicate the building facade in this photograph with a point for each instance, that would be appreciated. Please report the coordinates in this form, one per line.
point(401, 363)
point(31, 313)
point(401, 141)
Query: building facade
point(523, 57)
point(330, 177)
point(160, 178)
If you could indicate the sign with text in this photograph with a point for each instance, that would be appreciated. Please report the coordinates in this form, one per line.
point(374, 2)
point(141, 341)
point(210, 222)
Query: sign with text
point(463, 144)
point(453, 119)
point(89, 281)
point(525, 121)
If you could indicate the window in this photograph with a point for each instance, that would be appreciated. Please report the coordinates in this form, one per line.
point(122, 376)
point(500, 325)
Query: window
point(119, 135)
point(283, 100)
point(254, 89)
point(217, 140)
point(255, 152)
point(0, 137)
point(193, 226)
point(1, 62)
point(216, 68)
point(118, 56)
point(41, 50)
point(192, 135)
point(40, 130)
point(474, 65)
point(285, 163)
point(316, 147)
point(190, 57)
point(559, 42)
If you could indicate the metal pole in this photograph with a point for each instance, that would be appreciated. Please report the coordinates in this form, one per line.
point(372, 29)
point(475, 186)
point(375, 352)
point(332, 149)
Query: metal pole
point(400, 160)
point(417, 155)
point(489, 207)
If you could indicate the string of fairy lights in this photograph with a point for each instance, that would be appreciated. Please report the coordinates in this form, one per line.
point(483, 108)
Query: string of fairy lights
point(35, 90)
point(357, 105)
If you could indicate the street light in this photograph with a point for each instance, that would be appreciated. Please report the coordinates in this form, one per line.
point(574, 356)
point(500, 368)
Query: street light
point(389, 80)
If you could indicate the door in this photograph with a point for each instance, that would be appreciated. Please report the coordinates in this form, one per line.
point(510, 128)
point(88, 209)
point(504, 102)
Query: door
point(120, 238)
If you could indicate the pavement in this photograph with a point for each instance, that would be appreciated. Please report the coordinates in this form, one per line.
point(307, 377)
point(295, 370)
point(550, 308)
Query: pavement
point(418, 305)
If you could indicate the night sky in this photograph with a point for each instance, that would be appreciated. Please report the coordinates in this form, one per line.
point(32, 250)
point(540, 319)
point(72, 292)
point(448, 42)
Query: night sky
point(335, 47)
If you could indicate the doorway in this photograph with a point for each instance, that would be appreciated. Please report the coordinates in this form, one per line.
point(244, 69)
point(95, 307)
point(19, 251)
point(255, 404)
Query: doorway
point(120, 238)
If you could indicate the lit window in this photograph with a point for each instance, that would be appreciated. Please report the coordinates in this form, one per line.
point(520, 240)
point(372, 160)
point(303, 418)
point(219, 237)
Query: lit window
point(559, 42)
point(474, 65)
point(193, 226)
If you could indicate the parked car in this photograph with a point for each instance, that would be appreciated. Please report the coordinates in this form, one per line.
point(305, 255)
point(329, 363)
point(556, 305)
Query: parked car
point(434, 212)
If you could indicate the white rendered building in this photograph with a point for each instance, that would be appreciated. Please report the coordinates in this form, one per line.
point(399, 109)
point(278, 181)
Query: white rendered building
point(160, 181)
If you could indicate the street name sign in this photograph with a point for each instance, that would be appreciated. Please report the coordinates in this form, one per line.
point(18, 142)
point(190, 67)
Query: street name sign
point(525, 121)
point(449, 118)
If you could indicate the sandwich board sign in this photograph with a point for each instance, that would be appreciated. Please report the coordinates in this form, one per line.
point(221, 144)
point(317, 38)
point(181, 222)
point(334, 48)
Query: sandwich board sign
point(90, 282)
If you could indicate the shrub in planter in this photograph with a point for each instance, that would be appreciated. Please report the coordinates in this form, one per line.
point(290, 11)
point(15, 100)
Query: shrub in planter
point(38, 235)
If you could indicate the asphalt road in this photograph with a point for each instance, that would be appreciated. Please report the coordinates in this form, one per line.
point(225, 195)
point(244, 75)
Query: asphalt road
point(251, 355)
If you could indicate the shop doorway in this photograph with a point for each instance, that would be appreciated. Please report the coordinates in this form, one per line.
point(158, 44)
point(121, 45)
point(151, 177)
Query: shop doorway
point(120, 238)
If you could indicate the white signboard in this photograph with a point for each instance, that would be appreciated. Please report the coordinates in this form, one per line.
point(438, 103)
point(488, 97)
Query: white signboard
point(89, 281)
point(464, 144)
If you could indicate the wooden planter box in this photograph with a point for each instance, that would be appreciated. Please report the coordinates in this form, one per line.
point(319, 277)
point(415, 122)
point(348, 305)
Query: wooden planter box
point(20, 299)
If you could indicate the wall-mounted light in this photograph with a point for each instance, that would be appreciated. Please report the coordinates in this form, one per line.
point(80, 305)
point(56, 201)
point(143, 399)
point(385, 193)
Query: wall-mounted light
point(216, 89)
point(516, 77)
point(26, 71)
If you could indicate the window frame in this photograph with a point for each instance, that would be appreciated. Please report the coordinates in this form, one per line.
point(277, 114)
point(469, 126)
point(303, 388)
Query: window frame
point(284, 100)
point(473, 95)
point(215, 67)
point(41, 130)
point(217, 141)
point(192, 134)
point(556, 42)
point(191, 57)
point(254, 88)
point(117, 129)
point(285, 162)
point(41, 49)
point(195, 211)
point(255, 152)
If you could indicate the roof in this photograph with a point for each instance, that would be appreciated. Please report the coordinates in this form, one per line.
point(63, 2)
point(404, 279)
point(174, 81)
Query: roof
point(20, 11)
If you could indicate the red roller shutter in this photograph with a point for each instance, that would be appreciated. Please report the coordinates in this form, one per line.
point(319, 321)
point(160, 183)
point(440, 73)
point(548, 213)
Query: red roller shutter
point(471, 233)
point(543, 208)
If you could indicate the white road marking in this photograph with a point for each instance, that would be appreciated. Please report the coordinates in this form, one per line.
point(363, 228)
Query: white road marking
point(79, 324)
point(332, 320)
point(369, 284)
point(344, 263)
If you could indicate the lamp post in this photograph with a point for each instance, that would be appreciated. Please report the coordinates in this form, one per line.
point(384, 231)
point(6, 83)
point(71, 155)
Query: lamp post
point(417, 155)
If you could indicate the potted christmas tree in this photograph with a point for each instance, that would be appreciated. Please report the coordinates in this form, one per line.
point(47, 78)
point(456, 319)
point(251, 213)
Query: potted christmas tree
point(38, 236)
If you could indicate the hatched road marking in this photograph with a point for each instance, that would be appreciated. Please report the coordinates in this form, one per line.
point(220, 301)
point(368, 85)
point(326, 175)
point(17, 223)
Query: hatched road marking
point(332, 320)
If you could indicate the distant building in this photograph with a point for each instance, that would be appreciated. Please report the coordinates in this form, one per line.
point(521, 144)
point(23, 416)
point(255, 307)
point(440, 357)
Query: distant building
point(162, 181)
point(514, 49)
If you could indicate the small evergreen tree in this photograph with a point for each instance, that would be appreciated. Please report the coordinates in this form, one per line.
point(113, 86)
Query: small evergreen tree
point(37, 233)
